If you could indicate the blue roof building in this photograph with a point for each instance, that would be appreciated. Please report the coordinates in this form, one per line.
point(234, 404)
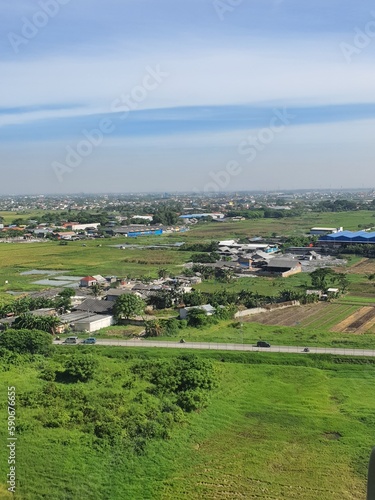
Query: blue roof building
point(357, 237)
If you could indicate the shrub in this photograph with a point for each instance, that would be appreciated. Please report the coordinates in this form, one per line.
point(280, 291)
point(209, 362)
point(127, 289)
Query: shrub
point(26, 341)
point(80, 368)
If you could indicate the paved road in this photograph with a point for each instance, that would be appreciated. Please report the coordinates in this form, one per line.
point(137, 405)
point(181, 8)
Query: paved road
point(235, 347)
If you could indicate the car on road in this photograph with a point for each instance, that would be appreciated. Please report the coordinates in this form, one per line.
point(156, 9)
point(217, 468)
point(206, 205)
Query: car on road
point(71, 340)
point(90, 340)
point(262, 343)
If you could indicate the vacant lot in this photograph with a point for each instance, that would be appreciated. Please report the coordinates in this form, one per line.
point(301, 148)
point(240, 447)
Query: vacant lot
point(322, 315)
point(79, 259)
point(364, 266)
point(290, 427)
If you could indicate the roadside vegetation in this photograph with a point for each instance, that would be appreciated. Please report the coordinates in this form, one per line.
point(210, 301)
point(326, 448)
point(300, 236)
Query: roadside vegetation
point(198, 425)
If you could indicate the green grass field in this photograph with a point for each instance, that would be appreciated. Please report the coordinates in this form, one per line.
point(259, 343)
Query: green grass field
point(276, 427)
point(81, 260)
point(286, 226)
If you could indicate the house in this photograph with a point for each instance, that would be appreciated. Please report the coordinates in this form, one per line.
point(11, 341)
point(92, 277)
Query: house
point(207, 308)
point(319, 293)
point(75, 226)
point(113, 294)
point(246, 261)
point(68, 235)
point(322, 231)
point(46, 311)
point(282, 267)
point(260, 258)
point(100, 279)
point(265, 247)
point(95, 306)
point(87, 281)
point(93, 323)
point(134, 231)
point(227, 243)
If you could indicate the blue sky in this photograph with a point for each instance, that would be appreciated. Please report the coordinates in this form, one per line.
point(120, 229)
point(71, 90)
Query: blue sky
point(182, 87)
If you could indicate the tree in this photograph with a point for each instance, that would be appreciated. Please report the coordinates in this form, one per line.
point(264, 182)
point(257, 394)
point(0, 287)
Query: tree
point(30, 322)
point(161, 300)
point(205, 258)
point(197, 318)
point(26, 341)
point(194, 298)
point(67, 293)
point(165, 216)
point(64, 299)
point(153, 328)
point(342, 281)
point(81, 368)
point(322, 277)
point(128, 305)
point(96, 290)
point(163, 273)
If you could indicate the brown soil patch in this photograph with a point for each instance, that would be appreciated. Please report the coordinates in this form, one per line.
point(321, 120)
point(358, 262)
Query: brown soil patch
point(365, 266)
point(364, 323)
point(359, 322)
point(343, 325)
point(292, 316)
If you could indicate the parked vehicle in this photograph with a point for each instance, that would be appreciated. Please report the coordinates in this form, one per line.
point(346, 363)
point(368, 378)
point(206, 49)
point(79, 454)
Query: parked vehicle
point(262, 343)
point(90, 340)
point(71, 340)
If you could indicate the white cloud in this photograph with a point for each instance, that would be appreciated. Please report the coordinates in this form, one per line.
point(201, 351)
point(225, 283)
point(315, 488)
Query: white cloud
point(294, 72)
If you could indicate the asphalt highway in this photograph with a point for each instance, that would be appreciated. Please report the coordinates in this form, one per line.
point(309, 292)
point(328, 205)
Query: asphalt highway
point(234, 347)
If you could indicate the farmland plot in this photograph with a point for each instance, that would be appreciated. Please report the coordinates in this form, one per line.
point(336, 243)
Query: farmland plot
point(364, 266)
point(359, 322)
point(321, 315)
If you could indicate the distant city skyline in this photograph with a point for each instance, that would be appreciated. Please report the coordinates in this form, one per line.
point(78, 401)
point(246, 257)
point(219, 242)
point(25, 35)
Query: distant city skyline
point(199, 96)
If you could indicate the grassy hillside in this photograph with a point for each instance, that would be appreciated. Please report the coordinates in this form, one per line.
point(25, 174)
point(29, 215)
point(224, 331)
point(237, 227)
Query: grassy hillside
point(275, 427)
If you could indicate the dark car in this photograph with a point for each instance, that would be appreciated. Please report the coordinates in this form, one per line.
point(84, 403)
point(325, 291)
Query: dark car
point(90, 340)
point(262, 343)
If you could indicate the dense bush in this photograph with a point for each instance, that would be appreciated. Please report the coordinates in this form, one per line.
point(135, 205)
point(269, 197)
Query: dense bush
point(186, 379)
point(125, 408)
point(213, 246)
point(162, 327)
point(80, 367)
point(26, 341)
point(205, 258)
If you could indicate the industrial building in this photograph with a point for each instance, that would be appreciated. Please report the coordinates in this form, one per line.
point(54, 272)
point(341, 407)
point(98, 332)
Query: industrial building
point(321, 231)
point(348, 237)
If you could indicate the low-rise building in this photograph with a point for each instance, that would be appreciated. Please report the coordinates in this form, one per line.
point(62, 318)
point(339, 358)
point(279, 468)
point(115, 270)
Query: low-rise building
point(282, 267)
point(208, 309)
point(87, 281)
